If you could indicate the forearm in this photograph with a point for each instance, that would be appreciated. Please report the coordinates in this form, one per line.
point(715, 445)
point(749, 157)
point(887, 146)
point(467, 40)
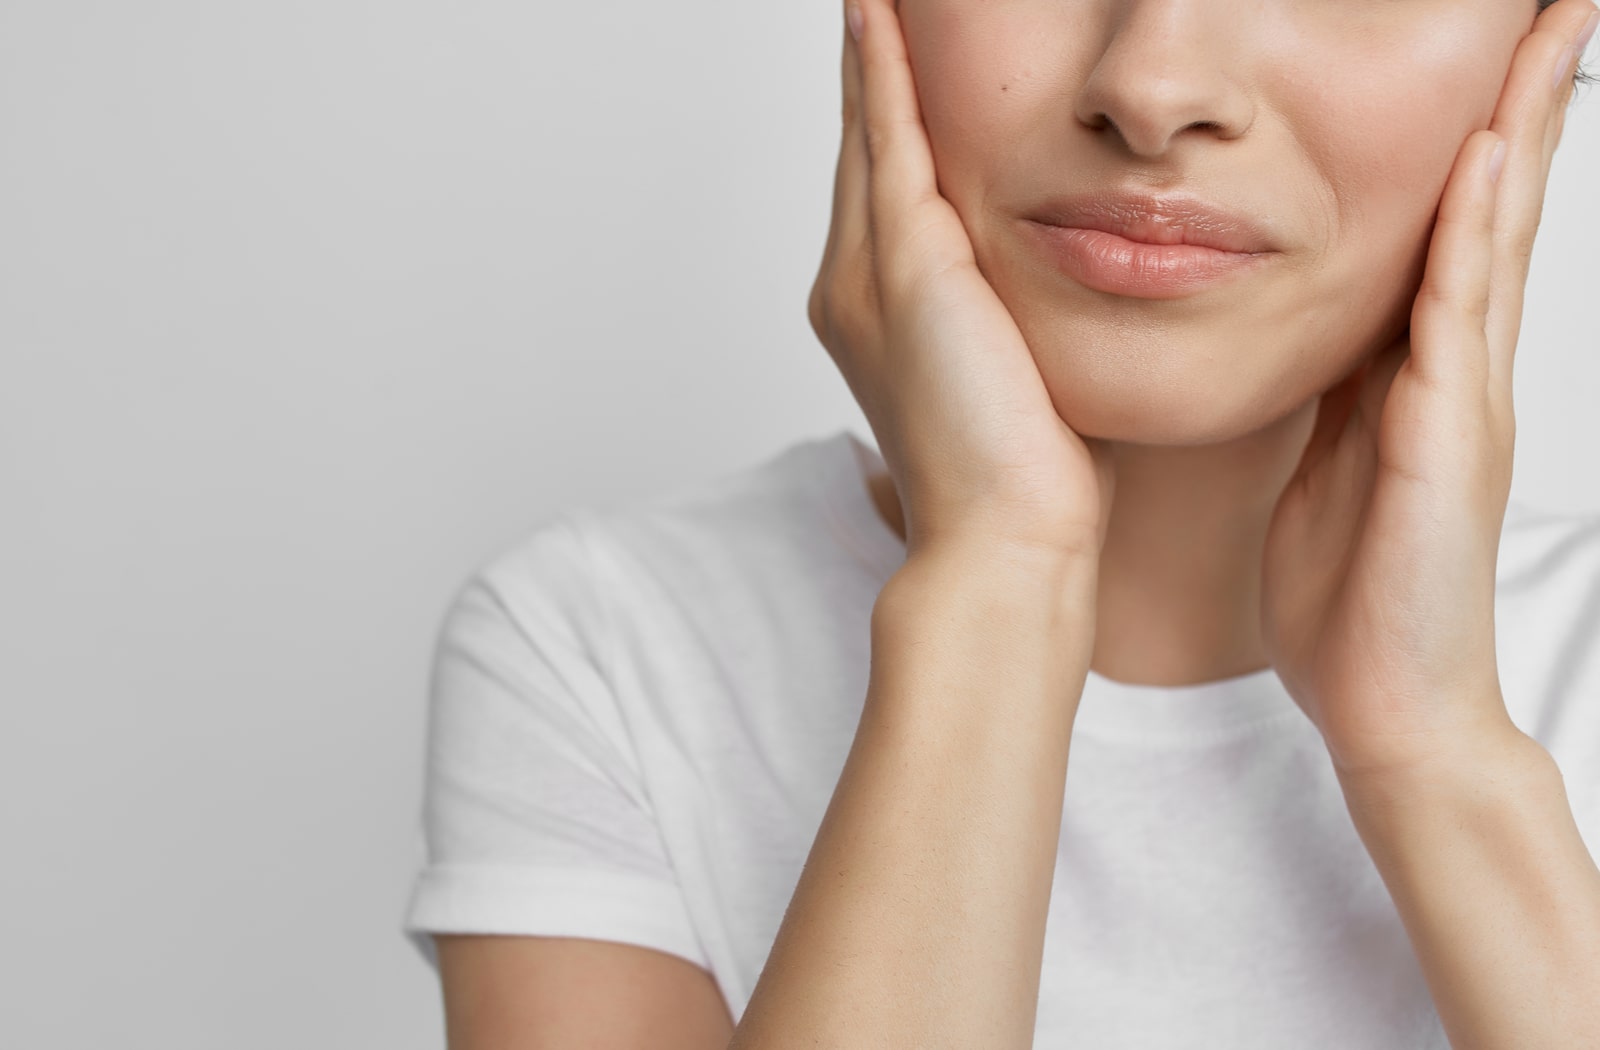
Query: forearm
point(919, 917)
point(1498, 894)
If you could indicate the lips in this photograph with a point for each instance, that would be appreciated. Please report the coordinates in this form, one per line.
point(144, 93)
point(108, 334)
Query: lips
point(1151, 219)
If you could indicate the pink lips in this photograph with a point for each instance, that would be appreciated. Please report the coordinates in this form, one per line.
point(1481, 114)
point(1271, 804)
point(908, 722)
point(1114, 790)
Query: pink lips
point(1147, 247)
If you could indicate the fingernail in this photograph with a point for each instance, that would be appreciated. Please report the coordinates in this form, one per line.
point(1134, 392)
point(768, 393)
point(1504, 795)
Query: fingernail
point(1564, 63)
point(1497, 161)
point(852, 15)
point(1563, 68)
point(1588, 32)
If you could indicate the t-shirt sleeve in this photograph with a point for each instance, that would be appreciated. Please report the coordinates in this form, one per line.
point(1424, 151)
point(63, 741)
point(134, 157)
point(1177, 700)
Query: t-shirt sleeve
point(1554, 688)
point(1573, 730)
point(535, 819)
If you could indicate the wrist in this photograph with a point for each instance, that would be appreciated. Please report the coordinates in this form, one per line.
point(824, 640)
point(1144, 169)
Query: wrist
point(1502, 755)
point(995, 578)
point(992, 633)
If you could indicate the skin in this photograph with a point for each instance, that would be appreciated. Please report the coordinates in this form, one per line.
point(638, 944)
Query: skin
point(1335, 125)
point(1377, 567)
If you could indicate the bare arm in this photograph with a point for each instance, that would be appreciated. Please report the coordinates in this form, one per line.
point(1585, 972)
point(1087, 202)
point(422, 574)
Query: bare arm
point(1497, 891)
point(919, 917)
point(521, 992)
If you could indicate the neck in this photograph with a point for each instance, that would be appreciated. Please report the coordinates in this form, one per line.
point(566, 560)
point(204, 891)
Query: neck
point(1179, 586)
point(1179, 598)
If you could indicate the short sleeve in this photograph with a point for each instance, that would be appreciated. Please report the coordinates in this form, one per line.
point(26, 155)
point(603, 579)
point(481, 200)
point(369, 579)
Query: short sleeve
point(1551, 666)
point(1571, 729)
point(534, 817)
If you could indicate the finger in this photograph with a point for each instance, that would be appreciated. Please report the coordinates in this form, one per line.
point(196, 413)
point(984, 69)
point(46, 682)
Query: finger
point(1587, 19)
point(899, 156)
point(1567, 87)
point(1573, 28)
point(844, 276)
point(1449, 345)
point(1529, 116)
point(850, 176)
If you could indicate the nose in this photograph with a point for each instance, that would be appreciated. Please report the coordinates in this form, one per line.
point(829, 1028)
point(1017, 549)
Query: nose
point(1168, 67)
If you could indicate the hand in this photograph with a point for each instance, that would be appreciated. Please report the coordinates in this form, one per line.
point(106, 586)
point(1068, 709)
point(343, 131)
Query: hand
point(952, 393)
point(1378, 576)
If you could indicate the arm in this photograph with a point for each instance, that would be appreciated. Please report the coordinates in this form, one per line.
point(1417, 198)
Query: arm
point(919, 917)
point(520, 992)
point(1497, 892)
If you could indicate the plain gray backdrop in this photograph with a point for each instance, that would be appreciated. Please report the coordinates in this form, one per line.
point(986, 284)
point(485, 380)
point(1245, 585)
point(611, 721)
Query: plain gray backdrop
point(306, 308)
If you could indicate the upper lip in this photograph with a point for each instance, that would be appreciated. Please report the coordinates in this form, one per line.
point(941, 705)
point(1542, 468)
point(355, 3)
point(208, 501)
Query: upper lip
point(1156, 219)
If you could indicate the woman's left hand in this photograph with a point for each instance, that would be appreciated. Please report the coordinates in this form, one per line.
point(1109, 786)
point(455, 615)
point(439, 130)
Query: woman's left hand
point(1378, 575)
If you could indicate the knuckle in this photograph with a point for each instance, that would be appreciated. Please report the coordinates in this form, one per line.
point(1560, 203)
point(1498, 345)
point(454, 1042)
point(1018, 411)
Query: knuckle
point(819, 309)
point(877, 138)
point(841, 311)
point(1520, 252)
point(1440, 297)
point(1523, 242)
point(814, 314)
point(824, 310)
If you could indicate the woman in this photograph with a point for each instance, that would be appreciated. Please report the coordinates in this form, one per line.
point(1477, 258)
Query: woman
point(1186, 334)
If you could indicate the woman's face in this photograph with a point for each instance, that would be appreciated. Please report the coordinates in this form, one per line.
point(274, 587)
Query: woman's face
point(1332, 123)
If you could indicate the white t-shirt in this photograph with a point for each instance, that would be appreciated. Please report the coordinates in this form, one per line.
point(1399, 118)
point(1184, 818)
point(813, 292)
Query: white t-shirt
point(638, 717)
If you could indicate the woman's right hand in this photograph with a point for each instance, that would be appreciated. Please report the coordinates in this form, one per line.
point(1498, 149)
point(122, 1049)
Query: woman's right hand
point(961, 415)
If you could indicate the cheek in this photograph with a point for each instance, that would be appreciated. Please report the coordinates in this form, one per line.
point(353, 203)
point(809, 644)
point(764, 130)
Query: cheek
point(981, 71)
point(1359, 112)
point(1367, 157)
point(1380, 146)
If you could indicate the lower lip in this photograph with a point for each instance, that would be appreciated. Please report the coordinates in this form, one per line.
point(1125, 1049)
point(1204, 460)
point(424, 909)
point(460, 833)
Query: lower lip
point(1109, 263)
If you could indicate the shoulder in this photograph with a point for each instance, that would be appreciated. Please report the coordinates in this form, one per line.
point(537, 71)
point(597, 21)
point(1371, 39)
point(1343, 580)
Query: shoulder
point(712, 529)
point(719, 531)
point(536, 589)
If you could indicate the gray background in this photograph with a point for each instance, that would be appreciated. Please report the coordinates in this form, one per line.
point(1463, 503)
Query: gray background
point(306, 308)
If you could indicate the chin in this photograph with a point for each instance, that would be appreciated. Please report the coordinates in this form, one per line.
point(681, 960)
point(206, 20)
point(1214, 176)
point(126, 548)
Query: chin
point(1147, 402)
point(1145, 423)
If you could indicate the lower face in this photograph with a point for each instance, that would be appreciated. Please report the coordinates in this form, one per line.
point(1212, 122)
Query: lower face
point(1333, 123)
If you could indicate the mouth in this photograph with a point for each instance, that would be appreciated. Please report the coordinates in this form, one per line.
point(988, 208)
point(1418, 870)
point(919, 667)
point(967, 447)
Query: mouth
point(1162, 220)
point(1147, 247)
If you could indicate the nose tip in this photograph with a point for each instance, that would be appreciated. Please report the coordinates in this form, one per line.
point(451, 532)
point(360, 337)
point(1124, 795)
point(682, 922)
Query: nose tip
point(1156, 85)
point(1131, 137)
